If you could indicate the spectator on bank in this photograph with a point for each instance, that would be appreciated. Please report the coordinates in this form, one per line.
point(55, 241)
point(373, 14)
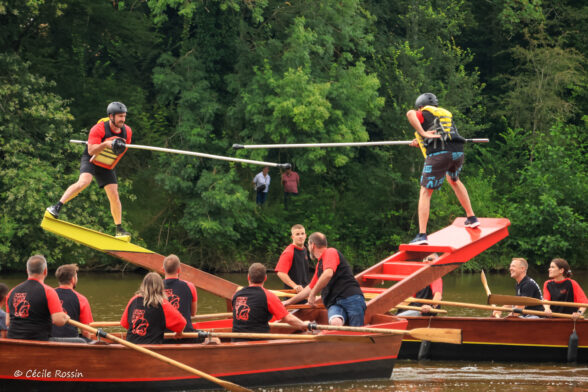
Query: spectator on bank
point(290, 182)
point(261, 182)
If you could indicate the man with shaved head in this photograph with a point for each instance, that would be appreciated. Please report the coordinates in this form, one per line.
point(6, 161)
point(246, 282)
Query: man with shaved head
point(33, 306)
point(525, 287)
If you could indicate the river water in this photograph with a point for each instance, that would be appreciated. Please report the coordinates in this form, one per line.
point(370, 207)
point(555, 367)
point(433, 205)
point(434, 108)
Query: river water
point(108, 295)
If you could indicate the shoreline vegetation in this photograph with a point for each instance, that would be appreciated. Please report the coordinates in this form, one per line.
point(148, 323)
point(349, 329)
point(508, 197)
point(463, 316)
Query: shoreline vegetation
point(203, 76)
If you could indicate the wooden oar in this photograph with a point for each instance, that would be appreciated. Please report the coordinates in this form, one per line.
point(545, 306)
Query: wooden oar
point(493, 307)
point(271, 336)
point(225, 384)
point(443, 335)
point(529, 301)
point(212, 316)
point(485, 282)
point(408, 307)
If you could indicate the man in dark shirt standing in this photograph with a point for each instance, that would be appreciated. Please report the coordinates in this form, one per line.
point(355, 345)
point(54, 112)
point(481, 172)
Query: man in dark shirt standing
point(525, 287)
point(180, 293)
point(33, 306)
point(292, 268)
point(74, 304)
point(334, 280)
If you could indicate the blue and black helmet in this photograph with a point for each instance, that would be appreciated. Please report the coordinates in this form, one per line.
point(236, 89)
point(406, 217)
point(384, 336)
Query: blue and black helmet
point(116, 108)
point(426, 99)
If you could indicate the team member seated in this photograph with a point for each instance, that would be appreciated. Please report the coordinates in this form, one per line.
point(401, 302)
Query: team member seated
point(433, 291)
point(525, 287)
point(254, 306)
point(561, 288)
point(148, 314)
point(74, 304)
point(33, 306)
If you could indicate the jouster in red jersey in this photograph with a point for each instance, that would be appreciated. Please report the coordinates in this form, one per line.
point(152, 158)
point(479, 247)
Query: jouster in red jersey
point(33, 306)
point(74, 304)
point(254, 306)
point(334, 280)
point(292, 268)
point(180, 293)
point(99, 160)
point(149, 314)
point(563, 289)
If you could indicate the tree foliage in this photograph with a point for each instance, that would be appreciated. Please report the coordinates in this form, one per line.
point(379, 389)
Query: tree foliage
point(203, 75)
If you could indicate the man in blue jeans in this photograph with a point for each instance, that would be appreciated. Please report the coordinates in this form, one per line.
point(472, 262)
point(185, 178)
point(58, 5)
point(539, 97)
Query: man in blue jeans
point(334, 280)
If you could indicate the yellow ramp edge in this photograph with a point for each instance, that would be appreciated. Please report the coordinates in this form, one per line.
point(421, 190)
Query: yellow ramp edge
point(88, 237)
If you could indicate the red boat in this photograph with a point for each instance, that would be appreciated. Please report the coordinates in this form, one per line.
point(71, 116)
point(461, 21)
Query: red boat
point(49, 365)
point(506, 339)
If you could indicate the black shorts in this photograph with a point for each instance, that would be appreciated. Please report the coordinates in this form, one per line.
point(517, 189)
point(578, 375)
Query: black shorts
point(439, 164)
point(103, 176)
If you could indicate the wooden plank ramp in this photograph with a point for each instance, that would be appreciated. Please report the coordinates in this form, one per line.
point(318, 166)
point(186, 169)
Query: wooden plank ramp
point(456, 244)
point(135, 254)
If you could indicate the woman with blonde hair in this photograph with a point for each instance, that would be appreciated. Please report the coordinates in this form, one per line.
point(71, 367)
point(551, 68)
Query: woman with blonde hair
point(148, 314)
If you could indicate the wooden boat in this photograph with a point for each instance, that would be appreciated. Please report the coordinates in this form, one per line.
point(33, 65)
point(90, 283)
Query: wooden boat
point(29, 365)
point(46, 365)
point(508, 339)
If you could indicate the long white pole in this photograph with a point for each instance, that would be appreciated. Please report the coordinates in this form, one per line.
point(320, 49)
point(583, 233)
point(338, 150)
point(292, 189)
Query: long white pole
point(198, 154)
point(350, 144)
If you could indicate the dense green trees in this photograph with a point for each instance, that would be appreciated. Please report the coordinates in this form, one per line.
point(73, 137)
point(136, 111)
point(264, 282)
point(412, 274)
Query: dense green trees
point(202, 75)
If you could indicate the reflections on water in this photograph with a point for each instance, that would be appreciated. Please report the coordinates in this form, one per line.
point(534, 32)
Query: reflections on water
point(410, 376)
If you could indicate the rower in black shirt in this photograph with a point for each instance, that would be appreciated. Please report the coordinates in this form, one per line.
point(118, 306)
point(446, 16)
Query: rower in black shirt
point(33, 306)
point(525, 287)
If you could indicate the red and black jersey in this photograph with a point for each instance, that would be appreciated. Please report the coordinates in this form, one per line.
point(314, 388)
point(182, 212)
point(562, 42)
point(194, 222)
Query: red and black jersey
point(146, 325)
point(294, 262)
point(254, 307)
point(342, 283)
point(428, 292)
point(77, 307)
point(181, 295)
point(101, 131)
point(567, 290)
point(30, 305)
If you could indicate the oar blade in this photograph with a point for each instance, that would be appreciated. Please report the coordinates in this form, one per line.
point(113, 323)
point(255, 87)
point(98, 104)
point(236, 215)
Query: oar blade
point(498, 299)
point(440, 335)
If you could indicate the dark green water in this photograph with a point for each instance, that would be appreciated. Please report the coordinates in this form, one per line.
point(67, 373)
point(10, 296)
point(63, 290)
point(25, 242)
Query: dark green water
point(109, 293)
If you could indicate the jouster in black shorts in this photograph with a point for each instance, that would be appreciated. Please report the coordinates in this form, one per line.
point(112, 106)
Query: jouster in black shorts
point(103, 176)
point(437, 165)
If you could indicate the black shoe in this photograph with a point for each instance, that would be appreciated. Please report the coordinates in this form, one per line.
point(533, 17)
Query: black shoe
point(472, 222)
point(122, 233)
point(420, 239)
point(54, 211)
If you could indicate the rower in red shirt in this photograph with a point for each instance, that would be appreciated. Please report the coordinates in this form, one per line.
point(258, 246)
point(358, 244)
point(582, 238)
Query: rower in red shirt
point(148, 314)
point(292, 267)
point(561, 288)
point(255, 306)
point(99, 160)
point(74, 304)
point(33, 306)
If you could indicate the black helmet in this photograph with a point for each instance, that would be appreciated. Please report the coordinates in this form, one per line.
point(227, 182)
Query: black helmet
point(115, 108)
point(426, 99)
